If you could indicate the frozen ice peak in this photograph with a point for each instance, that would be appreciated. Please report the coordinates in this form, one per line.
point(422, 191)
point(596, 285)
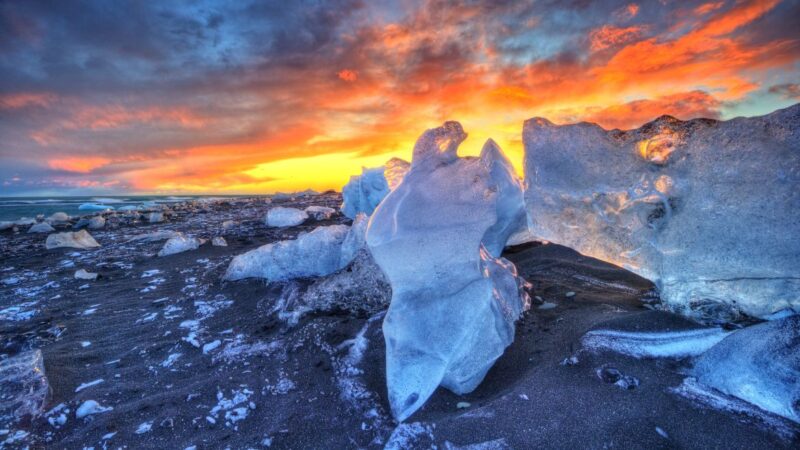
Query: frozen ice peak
point(453, 303)
point(708, 210)
point(510, 207)
point(365, 191)
point(394, 171)
point(438, 144)
point(320, 252)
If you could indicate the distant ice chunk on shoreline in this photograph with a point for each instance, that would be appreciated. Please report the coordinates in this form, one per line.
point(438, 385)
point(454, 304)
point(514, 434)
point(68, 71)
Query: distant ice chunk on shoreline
point(708, 210)
point(179, 243)
point(78, 239)
point(41, 227)
point(436, 237)
point(285, 217)
point(94, 207)
point(364, 192)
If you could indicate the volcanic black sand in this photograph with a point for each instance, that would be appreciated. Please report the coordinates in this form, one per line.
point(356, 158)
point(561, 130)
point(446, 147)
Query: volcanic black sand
point(142, 328)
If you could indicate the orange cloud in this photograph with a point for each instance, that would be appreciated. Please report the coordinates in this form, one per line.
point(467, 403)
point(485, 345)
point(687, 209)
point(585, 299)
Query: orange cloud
point(348, 75)
point(78, 164)
point(116, 116)
point(611, 36)
point(706, 8)
point(684, 106)
point(627, 12)
point(25, 99)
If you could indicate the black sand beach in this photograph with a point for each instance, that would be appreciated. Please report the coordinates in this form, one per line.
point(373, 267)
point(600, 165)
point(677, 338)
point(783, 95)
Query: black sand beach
point(188, 360)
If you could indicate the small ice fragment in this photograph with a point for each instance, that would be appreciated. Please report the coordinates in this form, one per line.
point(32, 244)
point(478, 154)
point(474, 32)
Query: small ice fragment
point(614, 376)
point(219, 241)
point(178, 244)
point(171, 359)
point(144, 427)
point(571, 361)
point(463, 405)
point(85, 344)
point(547, 305)
point(82, 274)
point(523, 396)
point(90, 407)
point(108, 436)
point(569, 294)
point(211, 346)
point(661, 432)
point(89, 384)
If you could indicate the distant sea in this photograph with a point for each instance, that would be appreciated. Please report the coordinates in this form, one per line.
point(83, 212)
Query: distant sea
point(13, 208)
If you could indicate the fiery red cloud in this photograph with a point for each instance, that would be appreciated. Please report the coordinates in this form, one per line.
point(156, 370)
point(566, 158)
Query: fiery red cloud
point(265, 99)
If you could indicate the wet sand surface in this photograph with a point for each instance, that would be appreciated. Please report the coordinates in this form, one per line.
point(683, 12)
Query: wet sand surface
point(187, 360)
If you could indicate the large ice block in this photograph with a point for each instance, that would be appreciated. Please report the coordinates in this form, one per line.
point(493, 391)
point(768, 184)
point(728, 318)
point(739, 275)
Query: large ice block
point(453, 303)
point(313, 254)
point(708, 210)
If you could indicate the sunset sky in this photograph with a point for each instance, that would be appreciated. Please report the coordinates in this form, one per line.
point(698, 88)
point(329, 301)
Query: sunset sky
point(113, 97)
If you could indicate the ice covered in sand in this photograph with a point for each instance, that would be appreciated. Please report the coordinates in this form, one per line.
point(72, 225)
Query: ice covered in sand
point(285, 217)
point(78, 239)
point(708, 210)
point(454, 303)
point(759, 364)
point(320, 212)
point(178, 244)
point(312, 254)
point(364, 192)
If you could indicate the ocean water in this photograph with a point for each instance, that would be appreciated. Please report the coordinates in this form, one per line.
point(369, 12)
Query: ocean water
point(13, 208)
